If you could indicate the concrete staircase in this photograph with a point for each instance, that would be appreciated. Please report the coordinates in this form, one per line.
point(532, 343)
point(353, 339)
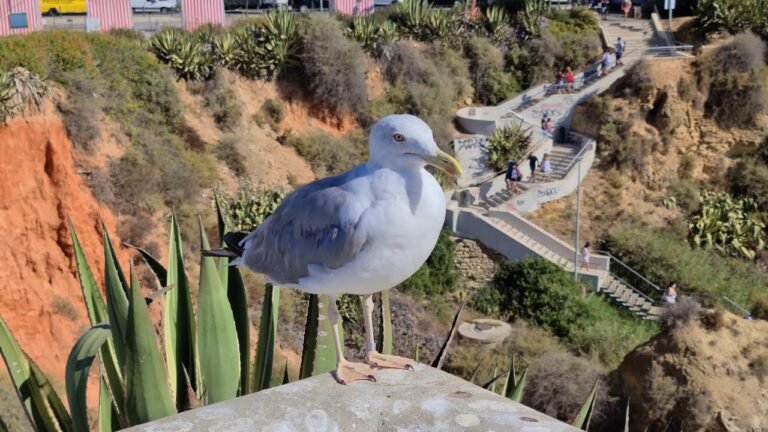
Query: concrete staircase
point(517, 238)
point(493, 215)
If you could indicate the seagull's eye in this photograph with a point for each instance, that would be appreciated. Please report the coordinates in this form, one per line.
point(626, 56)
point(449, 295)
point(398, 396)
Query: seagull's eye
point(398, 137)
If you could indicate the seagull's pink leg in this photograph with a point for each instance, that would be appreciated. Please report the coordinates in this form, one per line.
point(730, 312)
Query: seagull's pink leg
point(346, 371)
point(372, 357)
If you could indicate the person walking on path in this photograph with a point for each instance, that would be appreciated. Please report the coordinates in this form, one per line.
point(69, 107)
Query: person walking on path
point(532, 162)
point(546, 166)
point(626, 6)
point(604, 8)
point(604, 62)
point(620, 45)
point(670, 294)
point(586, 254)
point(513, 176)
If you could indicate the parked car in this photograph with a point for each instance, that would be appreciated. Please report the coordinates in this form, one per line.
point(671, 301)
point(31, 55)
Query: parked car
point(384, 3)
point(254, 4)
point(161, 6)
point(58, 7)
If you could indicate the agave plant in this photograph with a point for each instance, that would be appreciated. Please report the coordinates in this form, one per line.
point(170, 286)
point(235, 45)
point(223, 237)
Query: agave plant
point(507, 143)
point(207, 354)
point(411, 16)
point(266, 46)
point(184, 53)
point(732, 15)
point(729, 225)
point(370, 35)
point(20, 89)
point(7, 97)
point(531, 14)
point(496, 22)
point(224, 47)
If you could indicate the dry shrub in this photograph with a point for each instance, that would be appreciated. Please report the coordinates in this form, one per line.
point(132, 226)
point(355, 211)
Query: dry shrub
point(334, 67)
point(760, 308)
point(486, 64)
point(622, 150)
point(749, 177)
point(328, 155)
point(559, 383)
point(736, 81)
point(683, 312)
point(222, 100)
point(82, 109)
point(65, 308)
point(227, 152)
point(713, 320)
point(759, 366)
point(427, 81)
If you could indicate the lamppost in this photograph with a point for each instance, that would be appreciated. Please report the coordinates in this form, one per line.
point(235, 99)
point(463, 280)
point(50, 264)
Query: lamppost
point(578, 215)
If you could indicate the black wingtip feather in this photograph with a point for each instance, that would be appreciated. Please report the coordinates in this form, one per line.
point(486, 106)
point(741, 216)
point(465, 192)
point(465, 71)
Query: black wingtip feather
point(233, 239)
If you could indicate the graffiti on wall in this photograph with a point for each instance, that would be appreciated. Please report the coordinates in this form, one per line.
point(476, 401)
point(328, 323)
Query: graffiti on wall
point(547, 193)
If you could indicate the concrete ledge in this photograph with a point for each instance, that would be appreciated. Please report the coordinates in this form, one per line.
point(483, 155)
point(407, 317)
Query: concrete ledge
point(424, 400)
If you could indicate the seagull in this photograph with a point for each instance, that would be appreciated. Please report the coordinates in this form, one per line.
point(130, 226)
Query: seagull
point(361, 232)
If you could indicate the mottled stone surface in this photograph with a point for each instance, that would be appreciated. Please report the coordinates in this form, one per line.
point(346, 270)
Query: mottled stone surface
point(424, 400)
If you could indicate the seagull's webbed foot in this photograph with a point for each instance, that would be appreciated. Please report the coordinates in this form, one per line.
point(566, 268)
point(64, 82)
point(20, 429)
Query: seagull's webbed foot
point(347, 372)
point(385, 361)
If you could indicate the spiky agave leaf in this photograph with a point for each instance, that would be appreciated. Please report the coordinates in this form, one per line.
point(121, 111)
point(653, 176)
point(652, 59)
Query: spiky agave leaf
point(585, 413)
point(437, 363)
point(309, 349)
point(148, 397)
point(217, 343)
point(76, 372)
point(265, 346)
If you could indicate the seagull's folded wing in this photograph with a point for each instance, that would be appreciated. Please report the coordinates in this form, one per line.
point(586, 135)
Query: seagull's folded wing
point(317, 225)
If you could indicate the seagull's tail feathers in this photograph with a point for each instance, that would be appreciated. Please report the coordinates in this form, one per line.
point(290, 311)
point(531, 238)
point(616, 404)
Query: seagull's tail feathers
point(232, 247)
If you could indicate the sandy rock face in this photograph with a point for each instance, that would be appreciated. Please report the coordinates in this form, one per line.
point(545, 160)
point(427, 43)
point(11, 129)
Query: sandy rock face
point(701, 377)
point(40, 296)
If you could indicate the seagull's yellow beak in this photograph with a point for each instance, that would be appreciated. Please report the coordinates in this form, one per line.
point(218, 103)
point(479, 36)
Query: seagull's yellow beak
point(444, 162)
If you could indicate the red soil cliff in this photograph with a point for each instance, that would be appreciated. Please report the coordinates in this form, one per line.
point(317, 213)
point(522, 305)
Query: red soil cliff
point(40, 296)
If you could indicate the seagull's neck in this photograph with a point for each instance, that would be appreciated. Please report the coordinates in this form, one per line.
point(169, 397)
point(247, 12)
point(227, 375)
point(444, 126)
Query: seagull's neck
point(412, 177)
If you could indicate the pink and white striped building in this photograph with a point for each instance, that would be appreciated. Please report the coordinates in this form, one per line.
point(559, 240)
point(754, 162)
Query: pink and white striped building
point(195, 13)
point(351, 7)
point(11, 16)
point(111, 14)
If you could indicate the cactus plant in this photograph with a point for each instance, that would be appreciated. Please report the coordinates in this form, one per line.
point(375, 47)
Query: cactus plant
point(729, 225)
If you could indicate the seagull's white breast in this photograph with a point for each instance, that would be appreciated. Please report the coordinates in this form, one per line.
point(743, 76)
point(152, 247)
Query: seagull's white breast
point(403, 222)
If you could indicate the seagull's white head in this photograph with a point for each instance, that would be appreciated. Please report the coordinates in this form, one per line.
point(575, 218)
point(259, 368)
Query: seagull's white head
point(405, 141)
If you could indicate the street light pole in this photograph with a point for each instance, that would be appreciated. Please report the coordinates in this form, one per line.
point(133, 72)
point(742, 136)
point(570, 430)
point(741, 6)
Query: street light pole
point(578, 215)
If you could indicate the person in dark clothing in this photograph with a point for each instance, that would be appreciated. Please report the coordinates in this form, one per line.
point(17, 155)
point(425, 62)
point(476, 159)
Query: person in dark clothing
point(513, 176)
point(532, 162)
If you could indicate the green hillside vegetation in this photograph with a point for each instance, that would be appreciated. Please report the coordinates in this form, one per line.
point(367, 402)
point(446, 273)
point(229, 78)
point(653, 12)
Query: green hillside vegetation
point(540, 292)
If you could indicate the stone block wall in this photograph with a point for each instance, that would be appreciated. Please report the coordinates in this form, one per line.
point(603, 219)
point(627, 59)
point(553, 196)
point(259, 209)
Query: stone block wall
point(475, 263)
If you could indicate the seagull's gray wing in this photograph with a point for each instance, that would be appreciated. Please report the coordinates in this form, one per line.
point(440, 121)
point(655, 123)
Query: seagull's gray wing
point(315, 225)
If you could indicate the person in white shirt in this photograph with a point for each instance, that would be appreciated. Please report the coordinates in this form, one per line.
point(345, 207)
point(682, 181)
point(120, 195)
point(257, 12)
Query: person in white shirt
point(586, 254)
point(620, 44)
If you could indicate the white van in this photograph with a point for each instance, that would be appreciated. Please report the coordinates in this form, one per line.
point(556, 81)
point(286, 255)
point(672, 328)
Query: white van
point(161, 6)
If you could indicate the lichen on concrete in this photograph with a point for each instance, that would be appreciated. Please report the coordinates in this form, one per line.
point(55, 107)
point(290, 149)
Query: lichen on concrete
point(409, 401)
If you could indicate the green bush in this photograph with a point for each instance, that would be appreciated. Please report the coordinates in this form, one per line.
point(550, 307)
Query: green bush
point(438, 275)
point(334, 66)
point(543, 293)
point(749, 178)
point(687, 194)
point(664, 258)
point(486, 66)
point(487, 300)
point(328, 155)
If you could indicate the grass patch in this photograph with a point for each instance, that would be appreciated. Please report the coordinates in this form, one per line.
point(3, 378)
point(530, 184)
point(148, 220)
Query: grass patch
point(664, 258)
point(64, 307)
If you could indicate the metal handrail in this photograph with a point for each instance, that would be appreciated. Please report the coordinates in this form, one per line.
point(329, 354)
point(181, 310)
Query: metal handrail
point(637, 291)
point(610, 255)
